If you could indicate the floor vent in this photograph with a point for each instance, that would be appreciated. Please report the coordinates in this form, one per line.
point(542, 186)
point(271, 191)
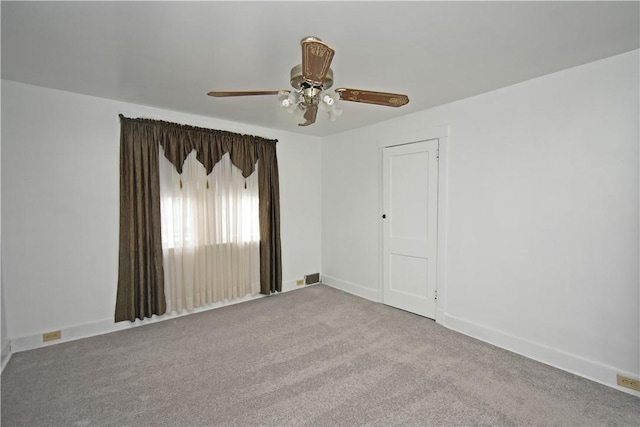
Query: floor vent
point(312, 279)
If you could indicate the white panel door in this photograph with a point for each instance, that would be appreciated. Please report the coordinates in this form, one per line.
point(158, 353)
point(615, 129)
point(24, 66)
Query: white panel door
point(410, 208)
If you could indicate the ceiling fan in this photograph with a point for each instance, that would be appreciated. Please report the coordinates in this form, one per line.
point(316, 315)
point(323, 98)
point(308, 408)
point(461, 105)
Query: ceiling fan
point(311, 79)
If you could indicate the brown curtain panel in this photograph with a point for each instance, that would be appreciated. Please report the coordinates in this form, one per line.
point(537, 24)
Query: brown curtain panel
point(138, 293)
point(140, 274)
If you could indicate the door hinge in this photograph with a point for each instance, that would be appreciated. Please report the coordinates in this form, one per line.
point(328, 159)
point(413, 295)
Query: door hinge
point(436, 295)
point(438, 154)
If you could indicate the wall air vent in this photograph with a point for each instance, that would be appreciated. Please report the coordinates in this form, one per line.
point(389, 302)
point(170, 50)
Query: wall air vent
point(312, 279)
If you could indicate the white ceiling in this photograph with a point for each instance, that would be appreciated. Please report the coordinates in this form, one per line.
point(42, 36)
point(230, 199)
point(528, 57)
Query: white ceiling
point(170, 54)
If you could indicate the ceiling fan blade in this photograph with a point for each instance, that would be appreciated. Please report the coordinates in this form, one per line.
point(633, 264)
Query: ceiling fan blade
point(371, 97)
point(310, 115)
point(219, 93)
point(316, 59)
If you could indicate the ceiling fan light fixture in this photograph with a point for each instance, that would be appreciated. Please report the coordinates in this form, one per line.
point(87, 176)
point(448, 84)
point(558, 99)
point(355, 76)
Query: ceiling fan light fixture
point(298, 112)
point(328, 100)
point(289, 100)
point(329, 103)
point(334, 113)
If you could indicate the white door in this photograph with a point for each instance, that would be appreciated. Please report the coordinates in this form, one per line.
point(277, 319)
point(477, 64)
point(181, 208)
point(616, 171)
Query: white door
point(410, 207)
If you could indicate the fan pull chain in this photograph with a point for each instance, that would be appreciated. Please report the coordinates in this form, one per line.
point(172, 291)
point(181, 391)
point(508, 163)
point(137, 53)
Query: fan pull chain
point(180, 183)
point(207, 184)
point(245, 183)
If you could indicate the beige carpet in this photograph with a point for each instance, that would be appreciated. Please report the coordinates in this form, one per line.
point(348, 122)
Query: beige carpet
point(315, 356)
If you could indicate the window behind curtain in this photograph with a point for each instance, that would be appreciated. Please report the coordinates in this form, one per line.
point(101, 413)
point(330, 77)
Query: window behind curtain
point(210, 233)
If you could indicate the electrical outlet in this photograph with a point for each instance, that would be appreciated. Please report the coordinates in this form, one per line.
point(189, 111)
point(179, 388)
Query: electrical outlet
point(50, 336)
point(629, 382)
point(299, 282)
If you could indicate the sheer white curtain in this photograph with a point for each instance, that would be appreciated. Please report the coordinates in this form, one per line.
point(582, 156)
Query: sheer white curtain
point(210, 233)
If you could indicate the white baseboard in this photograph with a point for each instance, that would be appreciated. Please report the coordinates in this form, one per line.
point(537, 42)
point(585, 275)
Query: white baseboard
point(106, 326)
point(572, 363)
point(589, 369)
point(6, 354)
point(352, 288)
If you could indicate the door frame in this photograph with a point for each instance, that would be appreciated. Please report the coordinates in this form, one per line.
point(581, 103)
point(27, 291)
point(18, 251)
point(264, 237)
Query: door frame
point(441, 133)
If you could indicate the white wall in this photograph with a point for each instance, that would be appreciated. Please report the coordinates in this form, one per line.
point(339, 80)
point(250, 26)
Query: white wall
point(542, 223)
point(60, 204)
point(5, 349)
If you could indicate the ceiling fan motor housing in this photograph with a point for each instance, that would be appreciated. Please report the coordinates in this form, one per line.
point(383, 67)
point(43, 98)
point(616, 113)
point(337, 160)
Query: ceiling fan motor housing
point(297, 81)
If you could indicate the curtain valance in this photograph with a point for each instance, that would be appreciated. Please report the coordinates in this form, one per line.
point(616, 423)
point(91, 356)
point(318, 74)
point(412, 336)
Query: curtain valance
point(210, 144)
point(140, 274)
